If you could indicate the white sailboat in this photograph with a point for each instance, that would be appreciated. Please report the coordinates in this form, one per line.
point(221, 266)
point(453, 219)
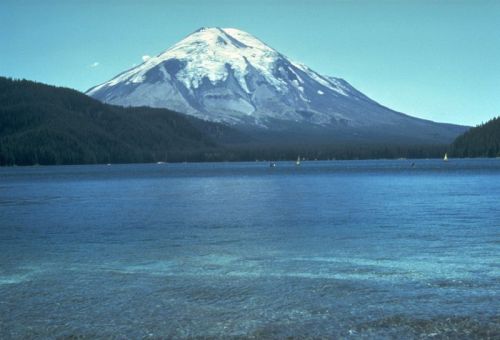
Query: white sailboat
point(445, 158)
point(297, 163)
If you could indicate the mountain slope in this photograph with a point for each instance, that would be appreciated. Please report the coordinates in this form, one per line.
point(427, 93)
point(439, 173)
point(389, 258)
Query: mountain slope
point(480, 141)
point(227, 75)
point(49, 125)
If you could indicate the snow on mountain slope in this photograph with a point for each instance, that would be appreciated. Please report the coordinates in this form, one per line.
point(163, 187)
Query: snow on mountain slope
point(227, 75)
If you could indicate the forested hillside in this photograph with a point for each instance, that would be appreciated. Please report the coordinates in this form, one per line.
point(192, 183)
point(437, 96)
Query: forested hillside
point(481, 141)
point(41, 124)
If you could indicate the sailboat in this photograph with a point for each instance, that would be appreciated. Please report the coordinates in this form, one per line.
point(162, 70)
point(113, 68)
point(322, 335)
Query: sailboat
point(297, 163)
point(445, 158)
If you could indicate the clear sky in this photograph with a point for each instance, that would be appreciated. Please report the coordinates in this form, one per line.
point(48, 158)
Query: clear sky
point(438, 60)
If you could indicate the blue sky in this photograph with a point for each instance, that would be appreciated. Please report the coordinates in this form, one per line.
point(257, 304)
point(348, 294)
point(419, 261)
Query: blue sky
point(437, 60)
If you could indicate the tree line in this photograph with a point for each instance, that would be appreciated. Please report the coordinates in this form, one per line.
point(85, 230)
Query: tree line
point(42, 124)
point(480, 141)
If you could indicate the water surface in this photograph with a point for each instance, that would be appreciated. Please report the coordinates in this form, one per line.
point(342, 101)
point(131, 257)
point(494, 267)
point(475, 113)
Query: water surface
point(373, 249)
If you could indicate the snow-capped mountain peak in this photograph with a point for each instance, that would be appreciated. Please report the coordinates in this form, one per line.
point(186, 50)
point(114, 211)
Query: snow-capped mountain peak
point(206, 53)
point(228, 75)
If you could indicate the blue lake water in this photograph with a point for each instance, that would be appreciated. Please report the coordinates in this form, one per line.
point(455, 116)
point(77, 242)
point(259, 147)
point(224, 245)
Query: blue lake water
point(361, 249)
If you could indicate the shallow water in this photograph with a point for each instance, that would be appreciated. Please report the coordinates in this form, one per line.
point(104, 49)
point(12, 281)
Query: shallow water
point(373, 249)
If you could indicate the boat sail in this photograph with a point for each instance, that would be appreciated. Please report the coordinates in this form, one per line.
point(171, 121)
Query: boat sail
point(445, 158)
point(298, 161)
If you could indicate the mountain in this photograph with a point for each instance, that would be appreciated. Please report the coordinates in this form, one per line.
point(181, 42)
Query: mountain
point(480, 141)
point(41, 124)
point(227, 75)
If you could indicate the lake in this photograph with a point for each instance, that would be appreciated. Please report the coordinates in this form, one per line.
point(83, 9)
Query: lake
point(361, 249)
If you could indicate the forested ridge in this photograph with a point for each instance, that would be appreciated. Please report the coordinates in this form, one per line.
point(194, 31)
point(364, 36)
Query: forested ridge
point(42, 124)
point(480, 141)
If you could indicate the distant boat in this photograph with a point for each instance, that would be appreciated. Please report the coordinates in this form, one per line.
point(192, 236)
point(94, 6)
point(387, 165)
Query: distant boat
point(445, 158)
point(160, 162)
point(297, 163)
point(272, 165)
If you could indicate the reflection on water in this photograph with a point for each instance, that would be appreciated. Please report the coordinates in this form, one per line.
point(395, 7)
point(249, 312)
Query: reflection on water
point(328, 249)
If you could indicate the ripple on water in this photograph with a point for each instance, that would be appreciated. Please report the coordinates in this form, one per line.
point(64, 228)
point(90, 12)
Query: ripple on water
point(344, 249)
point(447, 327)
